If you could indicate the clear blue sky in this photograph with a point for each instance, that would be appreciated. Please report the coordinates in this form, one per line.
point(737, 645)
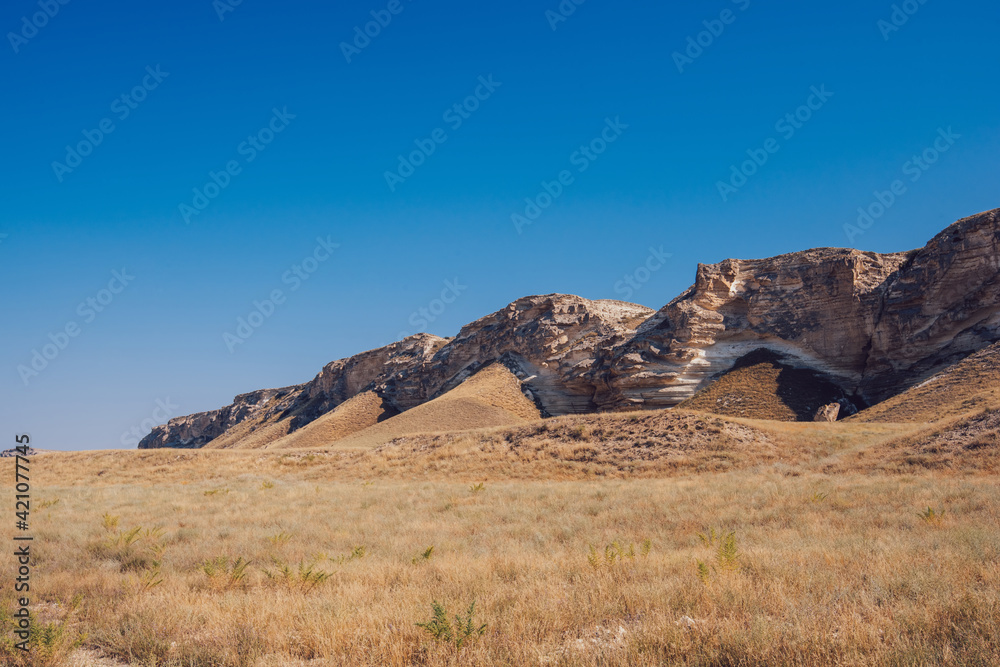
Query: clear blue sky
point(553, 86)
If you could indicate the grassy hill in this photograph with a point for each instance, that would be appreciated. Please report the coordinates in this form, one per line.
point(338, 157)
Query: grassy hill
point(761, 386)
point(970, 385)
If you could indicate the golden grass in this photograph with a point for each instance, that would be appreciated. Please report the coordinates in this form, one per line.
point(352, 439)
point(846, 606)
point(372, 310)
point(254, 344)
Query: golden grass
point(829, 569)
point(969, 443)
point(353, 415)
point(971, 385)
point(253, 433)
point(576, 537)
point(491, 397)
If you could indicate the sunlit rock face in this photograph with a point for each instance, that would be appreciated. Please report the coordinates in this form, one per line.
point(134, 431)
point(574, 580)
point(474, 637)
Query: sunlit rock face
point(873, 324)
point(876, 323)
point(943, 305)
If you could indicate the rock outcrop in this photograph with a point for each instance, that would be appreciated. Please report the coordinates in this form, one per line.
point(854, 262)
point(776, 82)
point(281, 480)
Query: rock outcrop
point(551, 342)
point(827, 413)
point(817, 309)
point(872, 324)
point(875, 323)
point(942, 306)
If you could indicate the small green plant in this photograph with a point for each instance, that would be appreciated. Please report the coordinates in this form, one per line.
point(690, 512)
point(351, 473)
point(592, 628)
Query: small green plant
point(616, 552)
point(45, 504)
point(230, 572)
point(150, 578)
point(441, 629)
point(215, 491)
point(929, 516)
point(110, 522)
point(703, 572)
point(124, 540)
point(817, 498)
point(123, 546)
point(727, 555)
point(424, 556)
point(265, 485)
point(304, 576)
point(357, 553)
point(279, 540)
point(709, 537)
point(48, 643)
point(476, 488)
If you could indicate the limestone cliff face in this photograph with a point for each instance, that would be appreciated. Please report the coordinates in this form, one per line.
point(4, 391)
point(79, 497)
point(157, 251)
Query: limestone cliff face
point(552, 342)
point(942, 306)
point(199, 429)
point(875, 324)
point(818, 308)
point(298, 404)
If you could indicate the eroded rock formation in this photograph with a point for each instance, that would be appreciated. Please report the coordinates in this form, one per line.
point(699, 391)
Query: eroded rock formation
point(874, 324)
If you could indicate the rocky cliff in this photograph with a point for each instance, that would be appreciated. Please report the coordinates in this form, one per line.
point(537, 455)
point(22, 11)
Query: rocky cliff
point(552, 342)
point(872, 324)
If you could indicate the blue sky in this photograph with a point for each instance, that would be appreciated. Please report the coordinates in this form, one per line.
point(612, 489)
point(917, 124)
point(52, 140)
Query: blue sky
point(620, 100)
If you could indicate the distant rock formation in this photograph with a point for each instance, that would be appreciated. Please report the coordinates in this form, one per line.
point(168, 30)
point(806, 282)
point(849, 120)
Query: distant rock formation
point(872, 324)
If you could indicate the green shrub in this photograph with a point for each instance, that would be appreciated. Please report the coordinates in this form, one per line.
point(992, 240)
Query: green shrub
point(441, 629)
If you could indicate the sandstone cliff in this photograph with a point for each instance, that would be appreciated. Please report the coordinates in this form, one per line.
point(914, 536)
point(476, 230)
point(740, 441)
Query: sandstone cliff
point(870, 324)
point(551, 342)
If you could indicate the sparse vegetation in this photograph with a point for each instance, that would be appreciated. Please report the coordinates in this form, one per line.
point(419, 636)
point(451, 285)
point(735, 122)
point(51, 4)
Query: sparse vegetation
point(616, 553)
point(305, 576)
point(932, 516)
point(228, 572)
point(441, 629)
point(280, 539)
point(708, 551)
point(727, 555)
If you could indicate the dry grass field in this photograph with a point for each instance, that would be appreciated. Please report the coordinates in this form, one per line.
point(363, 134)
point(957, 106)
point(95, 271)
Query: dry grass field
point(970, 385)
point(639, 539)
